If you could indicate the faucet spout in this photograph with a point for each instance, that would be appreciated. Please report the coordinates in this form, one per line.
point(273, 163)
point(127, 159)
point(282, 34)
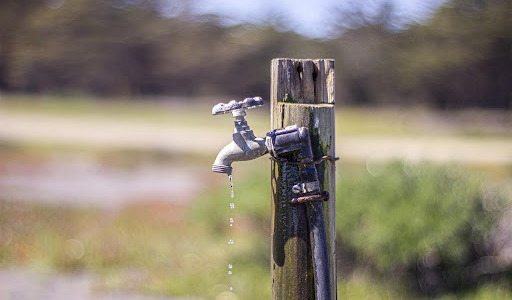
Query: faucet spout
point(245, 146)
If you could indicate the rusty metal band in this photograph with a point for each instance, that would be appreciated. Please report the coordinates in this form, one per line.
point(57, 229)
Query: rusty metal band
point(324, 196)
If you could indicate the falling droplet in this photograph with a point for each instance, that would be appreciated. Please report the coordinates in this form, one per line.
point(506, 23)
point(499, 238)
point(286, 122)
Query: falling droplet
point(231, 224)
point(231, 185)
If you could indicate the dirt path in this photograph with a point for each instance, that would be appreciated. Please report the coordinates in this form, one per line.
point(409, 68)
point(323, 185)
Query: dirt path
point(102, 133)
point(79, 180)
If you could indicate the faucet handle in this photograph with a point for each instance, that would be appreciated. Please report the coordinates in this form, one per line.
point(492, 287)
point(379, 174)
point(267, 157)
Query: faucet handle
point(237, 106)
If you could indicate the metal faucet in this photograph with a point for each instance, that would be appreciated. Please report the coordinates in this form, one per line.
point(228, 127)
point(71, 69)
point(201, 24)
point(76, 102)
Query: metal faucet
point(245, 145)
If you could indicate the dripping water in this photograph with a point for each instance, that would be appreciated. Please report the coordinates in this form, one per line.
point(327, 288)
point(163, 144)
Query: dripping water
point(231, 241)
point(231, 185)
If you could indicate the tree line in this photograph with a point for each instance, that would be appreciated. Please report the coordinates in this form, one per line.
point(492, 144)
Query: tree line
point(461, 57)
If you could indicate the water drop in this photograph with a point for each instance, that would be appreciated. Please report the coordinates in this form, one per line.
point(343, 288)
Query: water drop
point(231, 224)
point(231, 185)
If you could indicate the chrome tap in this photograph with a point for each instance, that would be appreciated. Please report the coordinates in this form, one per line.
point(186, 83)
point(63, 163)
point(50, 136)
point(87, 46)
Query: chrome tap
point(245, 145)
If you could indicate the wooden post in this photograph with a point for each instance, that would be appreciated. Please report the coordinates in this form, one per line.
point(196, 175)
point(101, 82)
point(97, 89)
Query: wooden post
point(302, 94)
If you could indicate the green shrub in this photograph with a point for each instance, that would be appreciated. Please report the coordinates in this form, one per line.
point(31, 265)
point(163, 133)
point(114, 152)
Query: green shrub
point(400, 217)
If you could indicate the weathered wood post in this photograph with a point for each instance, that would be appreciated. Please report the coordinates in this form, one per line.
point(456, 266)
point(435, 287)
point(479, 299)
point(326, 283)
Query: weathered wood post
point(302, 94)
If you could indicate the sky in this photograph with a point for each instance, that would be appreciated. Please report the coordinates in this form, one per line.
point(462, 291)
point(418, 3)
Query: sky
point(307, 17)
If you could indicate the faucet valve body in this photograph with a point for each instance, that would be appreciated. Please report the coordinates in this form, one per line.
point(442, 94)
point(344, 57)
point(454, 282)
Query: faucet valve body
point(285, 141)
point(244, 146)
point(292, 145)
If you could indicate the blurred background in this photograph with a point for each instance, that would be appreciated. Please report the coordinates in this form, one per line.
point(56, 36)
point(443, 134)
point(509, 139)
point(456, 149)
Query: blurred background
point(107, 140)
